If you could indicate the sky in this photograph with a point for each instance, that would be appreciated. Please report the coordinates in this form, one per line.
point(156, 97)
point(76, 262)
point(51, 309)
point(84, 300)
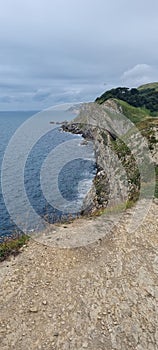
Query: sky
point(57, 51)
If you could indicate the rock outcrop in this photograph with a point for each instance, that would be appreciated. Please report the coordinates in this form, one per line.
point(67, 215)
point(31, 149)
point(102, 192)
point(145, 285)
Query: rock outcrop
point(124, 156)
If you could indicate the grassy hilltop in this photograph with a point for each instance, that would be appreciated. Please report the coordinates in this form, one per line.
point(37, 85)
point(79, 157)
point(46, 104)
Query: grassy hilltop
point(144, 97)
point(139, 105)
point(149, 86)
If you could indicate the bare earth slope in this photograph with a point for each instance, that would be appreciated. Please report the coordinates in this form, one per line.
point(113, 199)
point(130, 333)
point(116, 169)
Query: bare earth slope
point(101, 296)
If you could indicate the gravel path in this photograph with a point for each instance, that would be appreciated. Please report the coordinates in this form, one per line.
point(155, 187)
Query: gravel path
point(99, 296)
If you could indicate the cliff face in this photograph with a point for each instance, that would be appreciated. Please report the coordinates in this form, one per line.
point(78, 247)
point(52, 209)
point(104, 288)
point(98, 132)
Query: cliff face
point(123, 156)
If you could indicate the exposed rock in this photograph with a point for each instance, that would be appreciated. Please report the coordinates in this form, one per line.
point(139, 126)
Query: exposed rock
point(120, 151)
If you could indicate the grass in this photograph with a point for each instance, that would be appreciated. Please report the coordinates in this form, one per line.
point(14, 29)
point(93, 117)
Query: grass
point(146, 128)
point(135, 114)
point(149, 86)
point(115, 209)
point(156, 187)
point(12, 245)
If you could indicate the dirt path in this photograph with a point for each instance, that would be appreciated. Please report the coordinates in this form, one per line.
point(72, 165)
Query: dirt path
point(99, 296)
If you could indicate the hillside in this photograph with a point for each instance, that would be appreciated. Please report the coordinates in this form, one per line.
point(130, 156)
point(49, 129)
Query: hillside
point(125, 155)
point(149, 86)
point(145, 97)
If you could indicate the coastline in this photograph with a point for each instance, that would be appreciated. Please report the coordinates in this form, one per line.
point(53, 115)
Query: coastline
point(117, 180)
point(109, 190)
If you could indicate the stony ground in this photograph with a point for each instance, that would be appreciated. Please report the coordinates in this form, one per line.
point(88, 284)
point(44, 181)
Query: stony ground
point(103, 295)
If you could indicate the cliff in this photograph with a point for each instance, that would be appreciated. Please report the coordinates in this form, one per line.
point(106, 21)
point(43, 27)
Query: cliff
point(126, 153)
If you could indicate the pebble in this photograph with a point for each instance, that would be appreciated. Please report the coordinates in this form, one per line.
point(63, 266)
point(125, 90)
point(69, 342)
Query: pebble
point(85, 345)
point(33, 309)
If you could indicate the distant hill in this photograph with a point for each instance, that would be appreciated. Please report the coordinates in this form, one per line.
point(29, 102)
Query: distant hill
point(144, 97)
point(149, 86)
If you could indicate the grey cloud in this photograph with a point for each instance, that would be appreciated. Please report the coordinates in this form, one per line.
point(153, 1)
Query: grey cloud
point(63, 50)
point(4, 86)
point(5, 99)
point(139, 74)
point(41, 96)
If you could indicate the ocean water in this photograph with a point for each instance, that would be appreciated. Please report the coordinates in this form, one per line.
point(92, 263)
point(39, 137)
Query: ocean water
point(45, 172)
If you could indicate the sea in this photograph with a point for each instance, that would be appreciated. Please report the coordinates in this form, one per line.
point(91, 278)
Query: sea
point(45, 172)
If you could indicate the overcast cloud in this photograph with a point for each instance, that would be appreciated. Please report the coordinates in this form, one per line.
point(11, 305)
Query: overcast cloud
point(55, 51)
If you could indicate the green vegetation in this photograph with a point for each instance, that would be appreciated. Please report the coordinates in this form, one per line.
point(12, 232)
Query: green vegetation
point(146, 127)
point(149, 86)
point(104, 137)
point(141, 107)
point(12, 245)
point(135, 114)
point(144, 97)
point(116, 209)
point(130, 166)
point(156, 187)
point(102, 187)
